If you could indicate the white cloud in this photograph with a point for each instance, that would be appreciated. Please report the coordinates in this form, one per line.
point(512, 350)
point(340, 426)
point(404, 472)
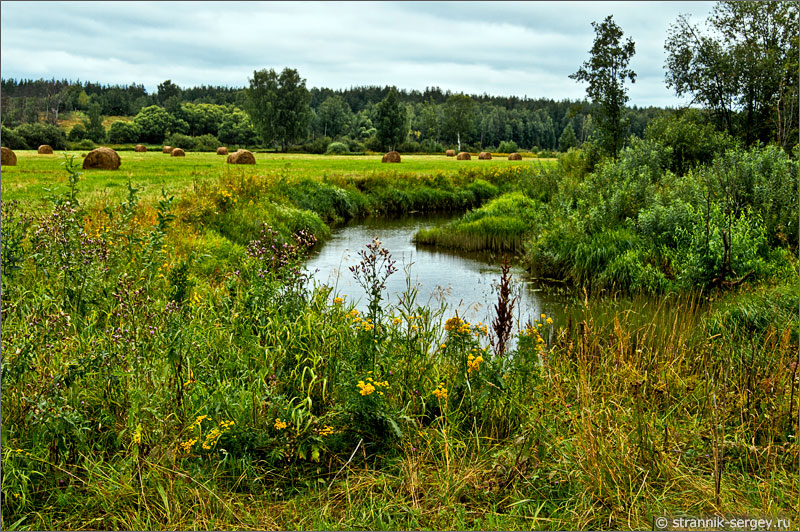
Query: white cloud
point(504, 48)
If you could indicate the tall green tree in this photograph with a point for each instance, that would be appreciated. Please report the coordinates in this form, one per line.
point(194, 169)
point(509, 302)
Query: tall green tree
point(391, 121)
point(153, 121)
point(459, 118)
point(567, 139)
point(279, 106)
point(333, 117)
point(606, 72)
point(94, 125)
point(166, 90)
point(744, 68)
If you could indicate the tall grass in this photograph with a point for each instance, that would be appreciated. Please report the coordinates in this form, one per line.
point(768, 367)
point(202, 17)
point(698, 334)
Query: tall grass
point(160, 374)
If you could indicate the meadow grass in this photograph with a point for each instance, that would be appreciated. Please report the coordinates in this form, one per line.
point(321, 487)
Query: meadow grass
point(167, 366)
point(153, 170)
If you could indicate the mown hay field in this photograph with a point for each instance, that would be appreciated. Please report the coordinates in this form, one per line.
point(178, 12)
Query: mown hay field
point(152, 171)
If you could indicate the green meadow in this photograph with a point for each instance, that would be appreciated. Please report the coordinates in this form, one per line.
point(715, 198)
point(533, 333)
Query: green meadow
point(167, 365)
point(153, 170)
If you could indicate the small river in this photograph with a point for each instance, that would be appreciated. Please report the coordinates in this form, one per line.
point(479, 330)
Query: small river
point(466, 282)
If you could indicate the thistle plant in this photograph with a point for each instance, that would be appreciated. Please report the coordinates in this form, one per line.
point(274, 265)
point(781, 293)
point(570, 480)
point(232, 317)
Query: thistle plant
point(372, 272)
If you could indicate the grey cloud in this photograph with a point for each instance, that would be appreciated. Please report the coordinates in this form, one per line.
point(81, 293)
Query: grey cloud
point(504, 48)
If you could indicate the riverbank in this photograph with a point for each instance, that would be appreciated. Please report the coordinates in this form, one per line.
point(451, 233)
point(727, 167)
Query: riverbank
point(167, 364)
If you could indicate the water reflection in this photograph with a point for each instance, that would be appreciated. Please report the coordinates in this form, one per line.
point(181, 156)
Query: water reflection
point(462, 280)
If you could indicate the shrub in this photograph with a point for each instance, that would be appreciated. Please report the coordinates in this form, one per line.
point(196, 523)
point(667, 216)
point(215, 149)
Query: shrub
point(185, 142)
point(11, 139)
point(122, 132)
point(431, 146)
point(507, 146)
point(206, 142)
point(85, 144)
point(337, 148)
point(78, 132)
point(37, 134)
point(690, 137)
point(318, 145)
point(409, 146)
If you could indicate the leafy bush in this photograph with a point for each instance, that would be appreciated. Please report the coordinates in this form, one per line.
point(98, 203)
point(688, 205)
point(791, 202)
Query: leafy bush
point(85, 144)
point(318, 145)
point(507, 146)
point(409, 146)
point(690, 137)
point(206, 142)
point(37, 134)
point(11, 139)
point(122, 132)
point(431, 146)
point(185, 142)
point(337, 148)
point(78, 132)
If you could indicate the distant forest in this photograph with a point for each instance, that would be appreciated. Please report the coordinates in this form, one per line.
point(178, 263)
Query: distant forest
point(531, 124)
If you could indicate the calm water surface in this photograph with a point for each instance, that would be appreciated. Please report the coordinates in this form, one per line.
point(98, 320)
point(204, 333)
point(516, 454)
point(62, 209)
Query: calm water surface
point(465, 282)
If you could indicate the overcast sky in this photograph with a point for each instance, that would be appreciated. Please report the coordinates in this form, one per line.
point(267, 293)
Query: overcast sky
point(499, 48)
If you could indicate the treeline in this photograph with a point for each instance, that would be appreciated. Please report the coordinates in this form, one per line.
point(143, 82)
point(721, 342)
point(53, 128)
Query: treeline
point(345, 115)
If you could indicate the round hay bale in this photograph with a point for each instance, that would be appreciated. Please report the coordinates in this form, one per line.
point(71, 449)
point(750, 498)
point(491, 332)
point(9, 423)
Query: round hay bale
point(140, 148)
point(514, 156)
point(241, 157)
point(391, 157)
point(101, 159)
point(222, 150)
point(167, 149)
point(45, 149)
point(485, 155)
point(463, 156)
point(8, 158)
point(450, 153)
point(177, 152)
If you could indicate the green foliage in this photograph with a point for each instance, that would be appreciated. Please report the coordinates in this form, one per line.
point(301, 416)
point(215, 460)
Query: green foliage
point(10, 138)
point(743, 69)
point(567, 139)
point(190, 377)
point(237, 129)
point(206, 142)
point(390, 122)
point(691, 138)
point(331, 203)
point(154, 122)
point(606, 72)
point(278, 106)
point(122, 132)
point(38, 133)
point(77, 133)
point(501, 225)
point(458, 119)
point(94, 125)
point(85, 144)
point(337, 148)
point(202, 118)
point(333, 117)
point(184, 142)
point(508, 146)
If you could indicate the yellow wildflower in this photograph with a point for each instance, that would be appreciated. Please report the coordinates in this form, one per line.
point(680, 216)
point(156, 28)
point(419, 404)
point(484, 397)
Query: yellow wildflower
point(280, 425)
point(338, 300)
point(440, 392)
point(365, 389)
